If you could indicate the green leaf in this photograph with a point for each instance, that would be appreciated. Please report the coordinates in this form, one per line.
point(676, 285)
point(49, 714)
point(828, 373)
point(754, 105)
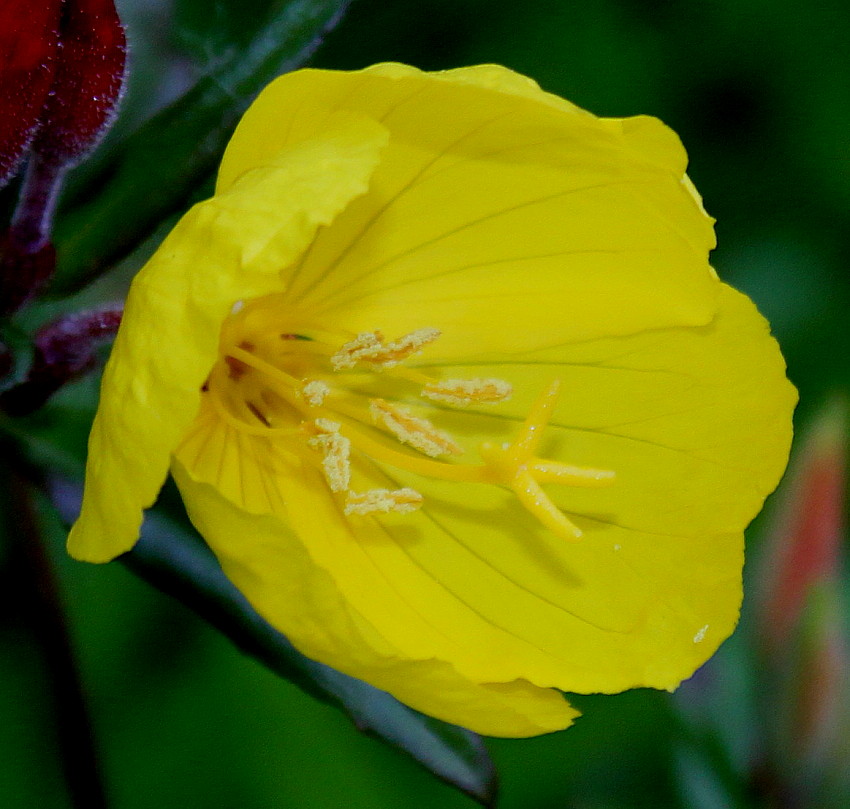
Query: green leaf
point(154, 172)
point(177, 562)
point(209, 32)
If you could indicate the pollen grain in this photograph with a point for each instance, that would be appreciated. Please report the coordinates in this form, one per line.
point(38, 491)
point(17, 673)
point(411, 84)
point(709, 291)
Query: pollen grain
point(465, 392)
point(409, 429)
point(383, 501)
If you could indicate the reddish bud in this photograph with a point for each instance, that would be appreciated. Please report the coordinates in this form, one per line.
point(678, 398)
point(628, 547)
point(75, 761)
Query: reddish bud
point(801, 548)
point(66, 68)
point(88, 82)
point(64, 350)
point(802, 628)
point(28, 43)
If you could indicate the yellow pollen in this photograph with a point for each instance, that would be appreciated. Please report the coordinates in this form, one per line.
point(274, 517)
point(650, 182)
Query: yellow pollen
point(323, 426)
point(409, 429)
point(370, 347)
point(349, 355)
point(314, 392)
point(464, 392)
point(276, 389)
point(383, 501)
point(336, 450)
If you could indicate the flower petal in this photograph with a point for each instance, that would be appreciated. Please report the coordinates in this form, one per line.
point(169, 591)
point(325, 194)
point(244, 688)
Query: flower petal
point(225, 249)
point(276, 572)
point(696, 424)
point(512, 201)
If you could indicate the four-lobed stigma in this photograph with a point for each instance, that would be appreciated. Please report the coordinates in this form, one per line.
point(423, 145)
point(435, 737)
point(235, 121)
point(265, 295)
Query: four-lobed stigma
point(298, 389)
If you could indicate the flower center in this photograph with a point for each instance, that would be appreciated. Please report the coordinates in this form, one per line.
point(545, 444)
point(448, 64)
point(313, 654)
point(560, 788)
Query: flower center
point(281, 377)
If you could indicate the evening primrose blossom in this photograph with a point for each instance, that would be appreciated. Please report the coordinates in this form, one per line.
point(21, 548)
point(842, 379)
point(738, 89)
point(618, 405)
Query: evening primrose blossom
point(448, 385)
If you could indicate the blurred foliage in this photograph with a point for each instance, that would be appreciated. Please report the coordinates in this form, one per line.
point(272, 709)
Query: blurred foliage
point(760, 94)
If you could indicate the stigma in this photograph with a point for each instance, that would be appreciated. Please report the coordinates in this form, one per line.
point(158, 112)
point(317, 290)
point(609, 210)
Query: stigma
point(305, 389)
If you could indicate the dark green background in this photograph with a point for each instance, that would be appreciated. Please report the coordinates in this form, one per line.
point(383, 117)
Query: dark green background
point(760, 94)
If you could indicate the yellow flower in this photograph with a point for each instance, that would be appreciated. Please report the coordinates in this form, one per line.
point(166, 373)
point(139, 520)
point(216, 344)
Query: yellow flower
point(449, 387)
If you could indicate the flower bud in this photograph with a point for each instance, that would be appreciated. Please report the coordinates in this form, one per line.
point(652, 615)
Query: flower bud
point(801, 548)
point(802, 628)
point(64, 350)
point(88, 82)
point(29, 37)
point(69, 68)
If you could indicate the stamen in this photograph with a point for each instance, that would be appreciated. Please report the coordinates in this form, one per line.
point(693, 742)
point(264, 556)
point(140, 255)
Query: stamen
point(242, 426)
point(279, 390)
point(360, 346)
point(314, 392)
point(464, 392)
point(409, 429)
point(324, 426)
point(370, 347)
point(246, 358)
point(236, 368)
point(336, 451)
point(441, 470)
point(383, 501)
point(258, 413)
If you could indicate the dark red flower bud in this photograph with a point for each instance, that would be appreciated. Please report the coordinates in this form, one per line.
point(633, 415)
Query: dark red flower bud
point(28, 42)
point(64, 350)
point(65, 61)
point(89, 79)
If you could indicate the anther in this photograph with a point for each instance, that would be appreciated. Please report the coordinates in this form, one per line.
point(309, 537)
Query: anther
point(336, 450)
point(464, 392)
point(323, 426)
point(362, 345)
point(409, 429)
point(383, 501)
point(314, 392)
point(370, 347)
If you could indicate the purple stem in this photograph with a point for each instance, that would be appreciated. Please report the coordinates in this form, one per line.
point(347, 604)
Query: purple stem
point(32, 222)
